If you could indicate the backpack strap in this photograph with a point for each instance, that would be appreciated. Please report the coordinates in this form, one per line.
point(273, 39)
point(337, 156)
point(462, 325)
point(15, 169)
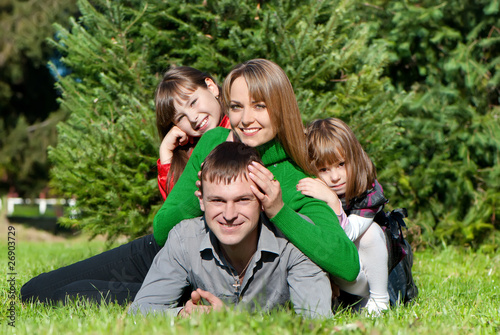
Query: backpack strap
point(396, 222)
point(392, 224)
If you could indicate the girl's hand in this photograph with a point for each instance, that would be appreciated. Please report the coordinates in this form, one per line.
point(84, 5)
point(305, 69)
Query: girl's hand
point(172, 140)
point(268, 190)
point(317, 189)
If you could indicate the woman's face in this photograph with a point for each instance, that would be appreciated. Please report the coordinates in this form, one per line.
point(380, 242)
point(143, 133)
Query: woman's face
point(200, 112)
point(249, 119)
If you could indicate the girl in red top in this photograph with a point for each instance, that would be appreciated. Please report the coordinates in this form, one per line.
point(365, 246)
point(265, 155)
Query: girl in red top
point(187, 105)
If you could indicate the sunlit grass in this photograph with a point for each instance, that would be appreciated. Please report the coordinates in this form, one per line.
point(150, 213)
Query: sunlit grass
point(33, 210)
point(459, 294)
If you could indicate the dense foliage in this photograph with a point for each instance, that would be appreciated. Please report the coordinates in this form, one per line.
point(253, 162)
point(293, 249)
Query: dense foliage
point(394, 71)
point(448, 55)
point(28, 108)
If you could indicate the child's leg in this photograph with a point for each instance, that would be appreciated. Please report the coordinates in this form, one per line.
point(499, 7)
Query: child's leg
point(373, 258)
point(357, 287)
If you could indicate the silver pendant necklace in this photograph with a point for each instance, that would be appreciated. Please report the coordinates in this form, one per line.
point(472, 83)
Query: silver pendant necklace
point(238, 277)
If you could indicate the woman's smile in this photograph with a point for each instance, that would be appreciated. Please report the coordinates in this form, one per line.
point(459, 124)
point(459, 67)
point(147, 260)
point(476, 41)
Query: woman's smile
point(250, 131)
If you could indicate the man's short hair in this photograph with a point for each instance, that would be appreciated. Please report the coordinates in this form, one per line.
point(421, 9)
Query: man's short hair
point(228, 161)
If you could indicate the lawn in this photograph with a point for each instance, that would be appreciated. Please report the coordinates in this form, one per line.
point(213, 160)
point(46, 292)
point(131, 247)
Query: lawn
point(459, 294)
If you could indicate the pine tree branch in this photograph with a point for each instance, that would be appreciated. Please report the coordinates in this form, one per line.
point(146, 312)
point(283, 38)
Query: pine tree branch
point(37, 126)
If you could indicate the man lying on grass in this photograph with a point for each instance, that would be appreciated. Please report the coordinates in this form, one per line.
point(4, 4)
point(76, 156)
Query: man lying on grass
point(233, 255)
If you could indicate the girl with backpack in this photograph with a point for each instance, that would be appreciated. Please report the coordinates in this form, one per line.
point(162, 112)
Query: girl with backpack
point(347, 183)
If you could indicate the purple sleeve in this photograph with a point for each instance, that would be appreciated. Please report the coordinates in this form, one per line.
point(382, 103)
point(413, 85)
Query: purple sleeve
point(343, 221)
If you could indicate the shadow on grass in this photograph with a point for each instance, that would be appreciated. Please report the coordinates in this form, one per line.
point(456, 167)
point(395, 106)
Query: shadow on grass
point(48, 224)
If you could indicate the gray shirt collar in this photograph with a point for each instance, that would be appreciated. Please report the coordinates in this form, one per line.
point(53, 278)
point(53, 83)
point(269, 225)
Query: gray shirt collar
point(267, 240)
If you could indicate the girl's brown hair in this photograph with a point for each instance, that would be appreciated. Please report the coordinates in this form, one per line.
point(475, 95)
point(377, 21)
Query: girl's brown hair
point(330, 142)
point(268, 82)
point(176, 85)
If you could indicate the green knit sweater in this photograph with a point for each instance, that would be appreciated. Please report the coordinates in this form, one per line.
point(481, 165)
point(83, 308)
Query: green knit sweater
point(324, 242)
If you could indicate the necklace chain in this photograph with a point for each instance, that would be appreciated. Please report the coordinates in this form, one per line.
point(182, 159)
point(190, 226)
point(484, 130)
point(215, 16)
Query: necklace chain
point(238, 277)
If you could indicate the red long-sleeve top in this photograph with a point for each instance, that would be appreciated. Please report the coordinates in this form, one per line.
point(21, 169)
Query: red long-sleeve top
point(163, 169)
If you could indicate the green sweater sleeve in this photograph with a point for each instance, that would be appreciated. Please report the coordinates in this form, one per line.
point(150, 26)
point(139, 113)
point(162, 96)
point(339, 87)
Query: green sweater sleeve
point(181, 203)
point(324, 241)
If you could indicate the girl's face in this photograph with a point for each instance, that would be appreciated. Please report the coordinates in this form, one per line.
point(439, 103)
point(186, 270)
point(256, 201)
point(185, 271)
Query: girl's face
point(249, 118)
point(335, 177)
point(200, 112)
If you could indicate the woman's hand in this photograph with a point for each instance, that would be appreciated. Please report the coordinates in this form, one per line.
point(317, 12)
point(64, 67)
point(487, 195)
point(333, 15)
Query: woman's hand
point(317, 189)
point(172, 140)
point(197, 193)
point(268, 191)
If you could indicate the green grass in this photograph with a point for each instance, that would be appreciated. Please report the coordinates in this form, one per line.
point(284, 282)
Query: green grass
point(24, 210)
point(459, 294)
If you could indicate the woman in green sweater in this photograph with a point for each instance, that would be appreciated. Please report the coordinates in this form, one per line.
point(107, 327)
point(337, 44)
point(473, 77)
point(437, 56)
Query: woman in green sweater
point(263, 113)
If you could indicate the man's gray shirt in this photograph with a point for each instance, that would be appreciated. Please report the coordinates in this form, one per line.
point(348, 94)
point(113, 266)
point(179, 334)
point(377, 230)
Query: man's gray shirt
point(277, 274)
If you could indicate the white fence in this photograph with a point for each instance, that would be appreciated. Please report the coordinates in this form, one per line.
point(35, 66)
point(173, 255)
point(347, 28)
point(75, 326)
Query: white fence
point(41, 202)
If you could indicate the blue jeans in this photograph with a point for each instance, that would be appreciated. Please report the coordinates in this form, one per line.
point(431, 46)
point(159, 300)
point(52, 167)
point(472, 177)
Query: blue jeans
point(115, 275)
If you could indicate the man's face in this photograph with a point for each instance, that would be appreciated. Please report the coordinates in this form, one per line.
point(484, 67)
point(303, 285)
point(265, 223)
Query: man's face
point(232, 211)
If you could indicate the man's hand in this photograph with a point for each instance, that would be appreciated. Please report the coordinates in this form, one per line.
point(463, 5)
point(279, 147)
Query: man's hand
point(194, 304)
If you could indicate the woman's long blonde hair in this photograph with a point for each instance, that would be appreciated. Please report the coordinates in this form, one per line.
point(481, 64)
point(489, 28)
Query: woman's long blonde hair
point(331, 141)
point(268, 82)
point(175, 85)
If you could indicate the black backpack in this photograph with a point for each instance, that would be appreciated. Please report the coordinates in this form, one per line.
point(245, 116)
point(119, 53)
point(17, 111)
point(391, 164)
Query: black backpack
point(401, 287)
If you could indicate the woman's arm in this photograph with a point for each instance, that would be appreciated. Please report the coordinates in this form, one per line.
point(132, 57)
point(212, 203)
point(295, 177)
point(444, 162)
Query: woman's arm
point(324, 241)
point(181, 202)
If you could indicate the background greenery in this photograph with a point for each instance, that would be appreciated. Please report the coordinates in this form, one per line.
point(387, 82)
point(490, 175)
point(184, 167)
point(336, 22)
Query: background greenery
point(29, 111)
point(418, 81)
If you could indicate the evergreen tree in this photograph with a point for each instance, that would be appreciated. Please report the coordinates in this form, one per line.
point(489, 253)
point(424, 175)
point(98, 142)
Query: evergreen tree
point(107, 149)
